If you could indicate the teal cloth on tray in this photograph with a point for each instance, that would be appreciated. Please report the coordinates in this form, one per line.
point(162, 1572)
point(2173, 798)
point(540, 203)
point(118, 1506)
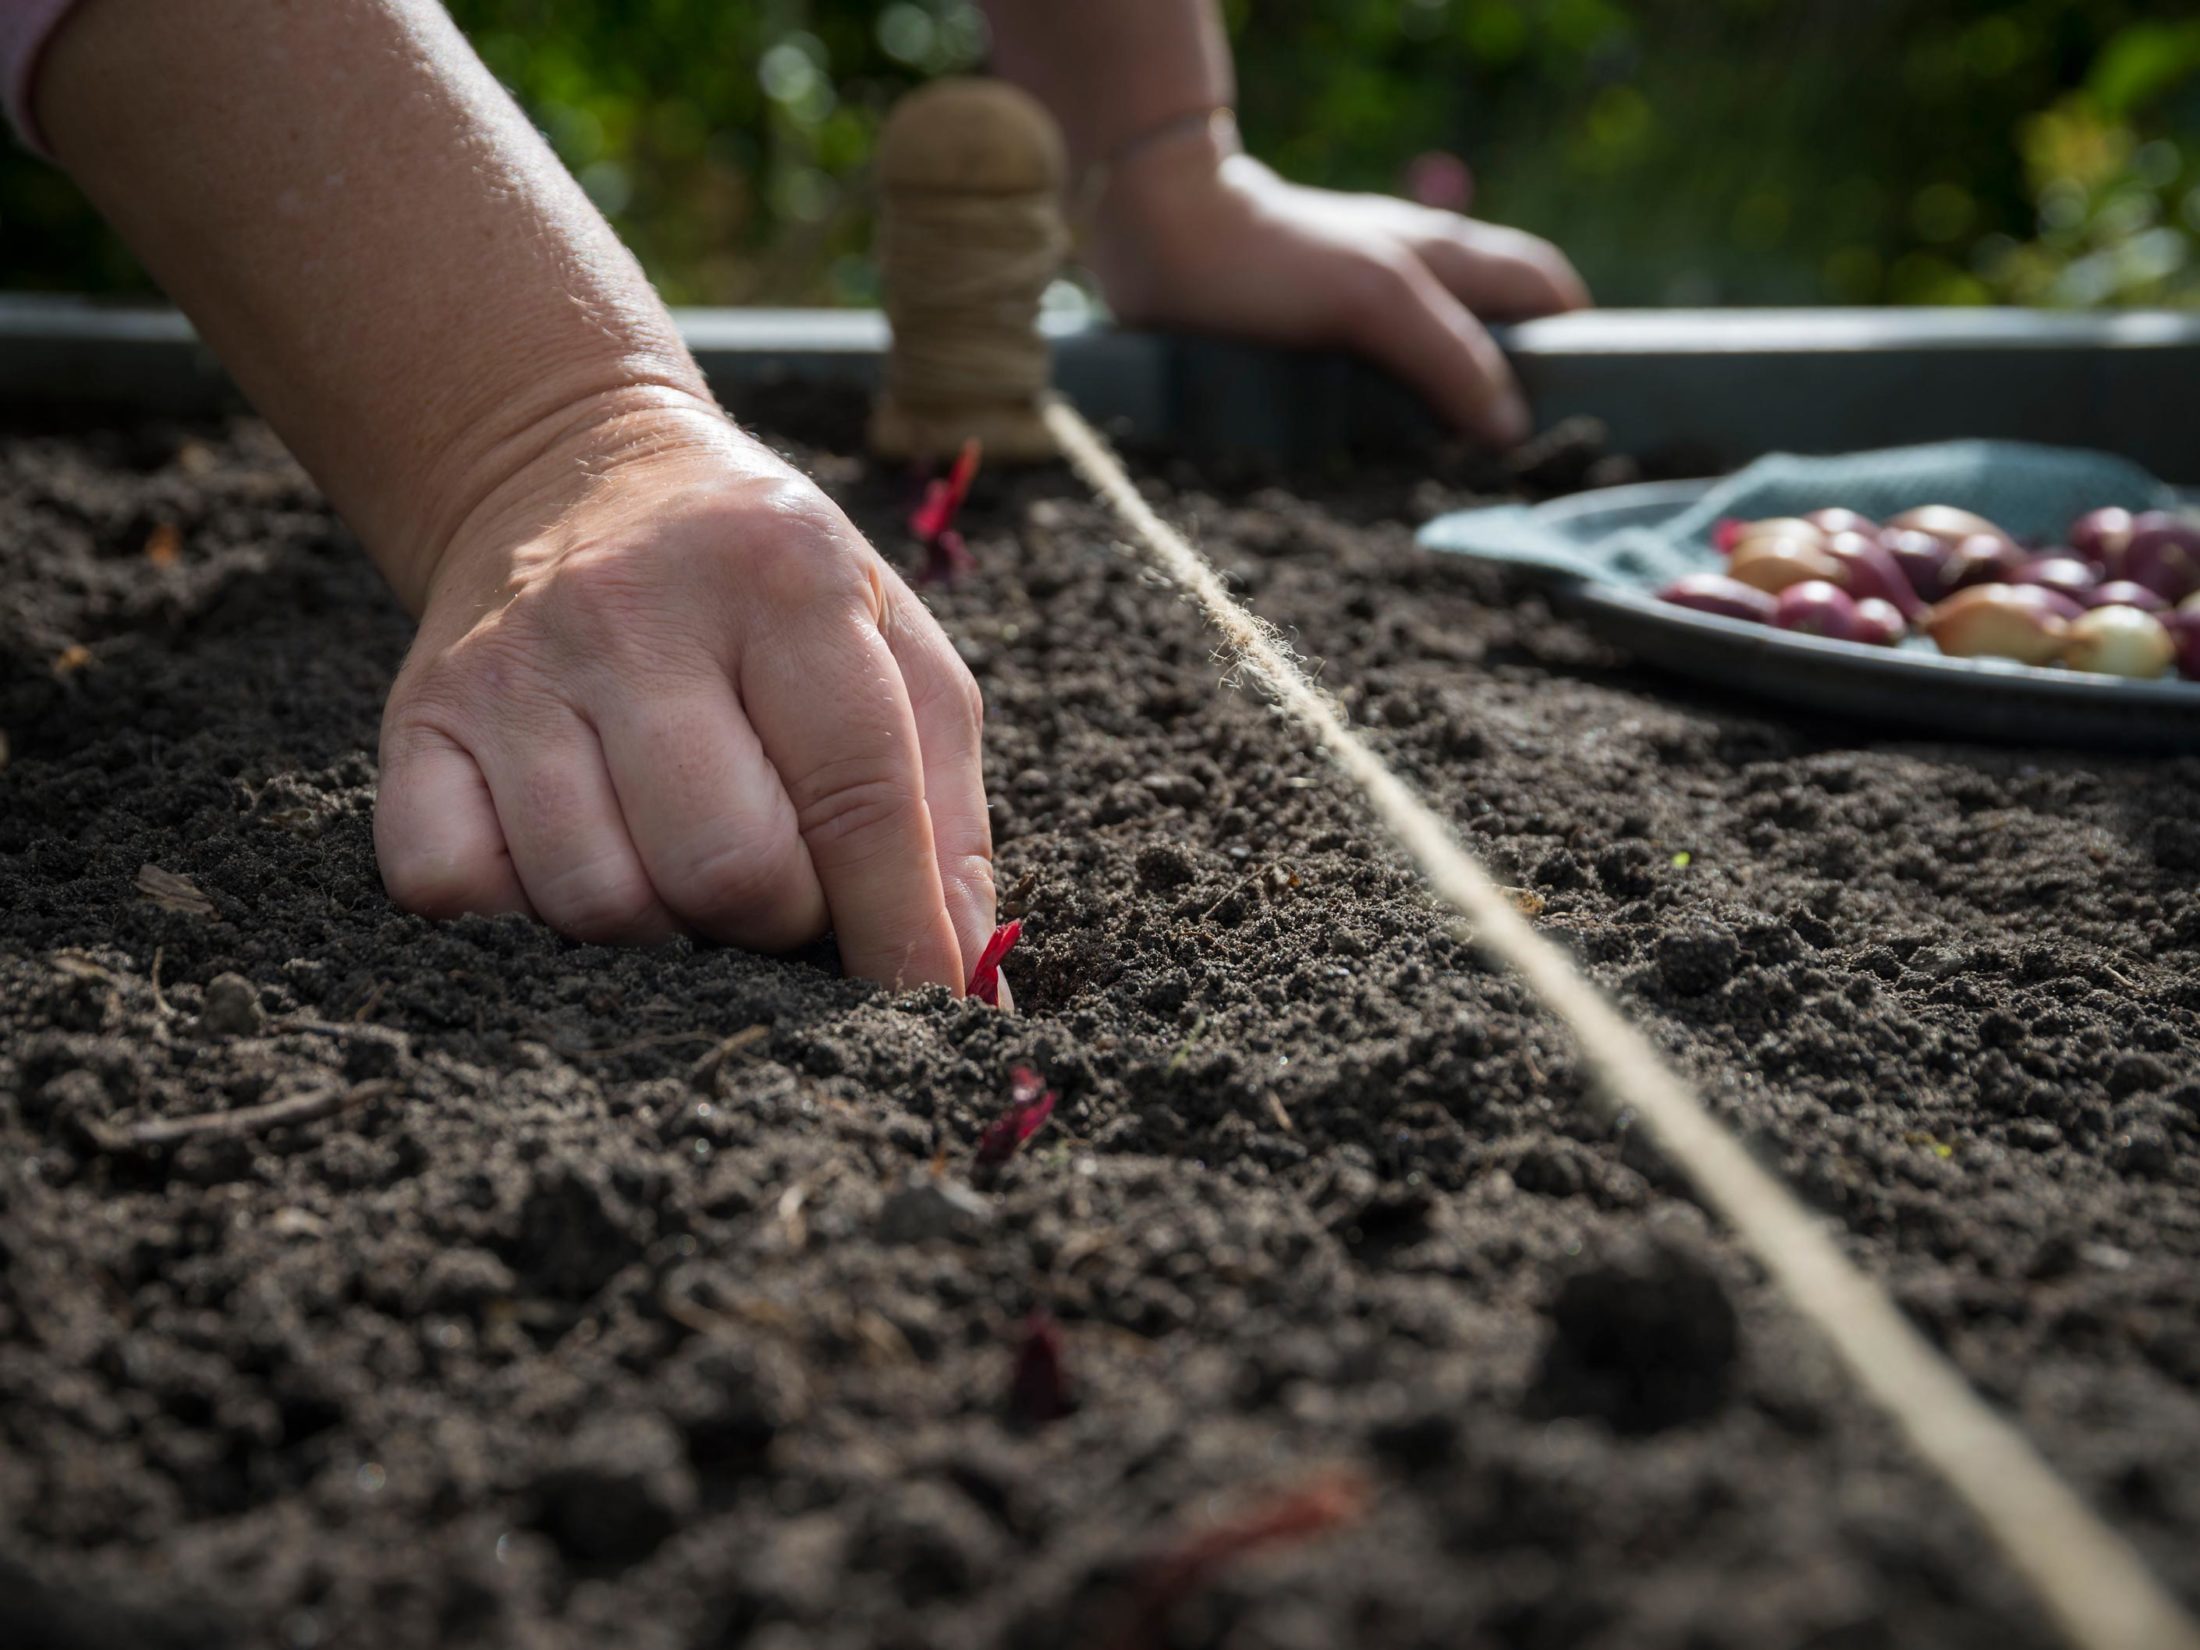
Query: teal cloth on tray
point(2032, 492)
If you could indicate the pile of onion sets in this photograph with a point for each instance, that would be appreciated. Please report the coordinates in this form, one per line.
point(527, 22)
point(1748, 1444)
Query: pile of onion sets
point(2119, 597)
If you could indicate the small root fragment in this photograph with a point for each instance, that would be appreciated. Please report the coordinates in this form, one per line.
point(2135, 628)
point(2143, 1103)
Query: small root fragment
point(244, 1120)
point(705, 1069)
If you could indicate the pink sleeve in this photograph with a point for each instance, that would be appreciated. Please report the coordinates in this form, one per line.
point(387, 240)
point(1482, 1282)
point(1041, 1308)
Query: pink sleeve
point(24, 27)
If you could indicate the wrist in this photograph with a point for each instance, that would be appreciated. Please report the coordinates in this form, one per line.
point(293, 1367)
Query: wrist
point(1160, 169)
point(1150, 220)
point(514, 486)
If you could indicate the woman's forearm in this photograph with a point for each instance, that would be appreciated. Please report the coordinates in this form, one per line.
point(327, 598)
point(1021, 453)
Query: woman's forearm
point(1115, 70)
point(361, 224)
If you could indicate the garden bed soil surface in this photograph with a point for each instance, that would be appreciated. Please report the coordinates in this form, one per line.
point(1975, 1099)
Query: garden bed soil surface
point(645, 1299)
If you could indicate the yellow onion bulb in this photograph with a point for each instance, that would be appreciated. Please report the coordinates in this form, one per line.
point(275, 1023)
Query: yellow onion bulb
point(2001, 621)
point(1777, 527)
point(1946, 523)
point(1772, 564)
point(2119, 641)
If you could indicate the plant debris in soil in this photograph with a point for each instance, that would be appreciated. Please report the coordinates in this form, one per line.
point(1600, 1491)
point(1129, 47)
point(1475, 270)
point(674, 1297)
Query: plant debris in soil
point(946, 555)
point(1030, 1104)
point(542, 1294)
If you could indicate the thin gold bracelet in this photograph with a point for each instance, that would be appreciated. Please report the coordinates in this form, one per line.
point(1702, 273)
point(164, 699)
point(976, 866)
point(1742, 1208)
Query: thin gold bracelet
point(1219, 122)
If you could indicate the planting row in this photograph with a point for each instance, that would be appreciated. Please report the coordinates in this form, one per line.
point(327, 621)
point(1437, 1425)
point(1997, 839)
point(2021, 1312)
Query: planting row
point(2120, 597)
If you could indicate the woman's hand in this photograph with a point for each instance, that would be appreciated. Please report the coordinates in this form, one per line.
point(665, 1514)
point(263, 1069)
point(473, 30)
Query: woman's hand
point(662, 684)
point(1190, 234)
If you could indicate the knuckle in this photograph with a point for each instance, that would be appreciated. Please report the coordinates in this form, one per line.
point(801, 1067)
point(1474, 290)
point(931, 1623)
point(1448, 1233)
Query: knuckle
point(428, 690)
point(799, 507)
point(431, 884)
point(604, 604)
point(598, 581)
point(1375, 283)
point(799, 569)
point(1452, 256)
point(732, 880)
point(846, 814)
point(751, 892)
point(554, 796)
point(429, 867)
point(970, 703)
point(599, 904)
point(974, 870)
point(490, 675)
point(796, 546)
point(1542, 261)
point(1573, 291)
point(951, 699)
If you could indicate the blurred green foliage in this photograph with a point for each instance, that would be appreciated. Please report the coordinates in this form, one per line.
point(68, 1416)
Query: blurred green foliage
point(1684, 151)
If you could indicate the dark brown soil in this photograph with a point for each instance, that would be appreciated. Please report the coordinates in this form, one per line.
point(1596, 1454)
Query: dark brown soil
point(579, 1324)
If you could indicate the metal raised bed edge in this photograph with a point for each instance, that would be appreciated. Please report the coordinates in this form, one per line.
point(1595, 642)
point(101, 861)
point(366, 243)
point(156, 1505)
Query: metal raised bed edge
point(1721, 385)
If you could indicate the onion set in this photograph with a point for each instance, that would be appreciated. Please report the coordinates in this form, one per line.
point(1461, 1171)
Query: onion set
point(1816, 608)
point(2120, 596)
point(1772, 564)
point(2118, 641)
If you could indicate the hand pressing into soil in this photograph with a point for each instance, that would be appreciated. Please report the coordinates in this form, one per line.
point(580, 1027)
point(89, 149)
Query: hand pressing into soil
point(1187, 231)
point(660, 682)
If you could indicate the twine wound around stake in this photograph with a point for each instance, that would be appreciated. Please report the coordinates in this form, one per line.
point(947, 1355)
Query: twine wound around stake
point(970, 233)
point(963, 277)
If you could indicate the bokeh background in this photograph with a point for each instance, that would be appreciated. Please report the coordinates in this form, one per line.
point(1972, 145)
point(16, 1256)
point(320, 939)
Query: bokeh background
point(1684, 151)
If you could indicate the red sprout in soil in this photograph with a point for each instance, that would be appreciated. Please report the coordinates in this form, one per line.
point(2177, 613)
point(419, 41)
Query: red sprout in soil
point(1030, 1104)
point(1323, 1502)
point(1038, 1383)
point(985, 979)
point(933, 520)
point(946, 558)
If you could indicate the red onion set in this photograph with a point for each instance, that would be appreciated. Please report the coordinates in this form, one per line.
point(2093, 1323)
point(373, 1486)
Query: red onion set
point(2119, 597)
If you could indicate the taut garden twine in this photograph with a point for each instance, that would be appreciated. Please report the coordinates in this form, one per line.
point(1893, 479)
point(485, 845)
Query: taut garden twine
point(971, 174)
point(2088, 1576)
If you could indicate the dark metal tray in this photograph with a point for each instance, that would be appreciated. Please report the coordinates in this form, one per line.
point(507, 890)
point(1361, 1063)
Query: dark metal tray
point(1915, 686)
